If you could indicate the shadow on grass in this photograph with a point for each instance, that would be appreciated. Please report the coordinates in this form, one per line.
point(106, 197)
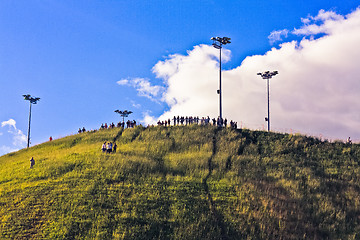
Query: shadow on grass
point(226, 231)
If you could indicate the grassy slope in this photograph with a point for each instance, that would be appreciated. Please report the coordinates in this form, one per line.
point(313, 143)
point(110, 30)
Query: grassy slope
point(182, 183)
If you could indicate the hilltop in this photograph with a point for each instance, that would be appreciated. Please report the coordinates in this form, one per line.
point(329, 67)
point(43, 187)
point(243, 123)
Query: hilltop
point(183, 182)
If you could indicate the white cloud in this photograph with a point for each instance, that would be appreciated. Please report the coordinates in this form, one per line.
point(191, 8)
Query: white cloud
point(191, 76)
point(123, 82)
point(18, 138)
point(134, 104)
point(327, 15)
point(325, 22)
point(316, 91)
point(277, 35)
point(143, 87)
point(148, 119)
point(10, 122)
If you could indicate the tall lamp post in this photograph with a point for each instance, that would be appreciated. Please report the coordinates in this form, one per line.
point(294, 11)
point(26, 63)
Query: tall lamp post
point(32, 100)
point(217, 43)
point(124, 114)
point(267, 75)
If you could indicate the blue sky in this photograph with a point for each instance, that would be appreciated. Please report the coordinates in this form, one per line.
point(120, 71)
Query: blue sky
point(85, 59)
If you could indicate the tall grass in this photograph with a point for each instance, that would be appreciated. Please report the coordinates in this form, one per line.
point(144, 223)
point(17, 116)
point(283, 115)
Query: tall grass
point(183, 182)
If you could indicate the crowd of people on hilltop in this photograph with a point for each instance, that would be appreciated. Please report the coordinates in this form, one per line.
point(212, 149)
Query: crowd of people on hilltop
point(129, 124)
point(220, 122)
point(176, 121)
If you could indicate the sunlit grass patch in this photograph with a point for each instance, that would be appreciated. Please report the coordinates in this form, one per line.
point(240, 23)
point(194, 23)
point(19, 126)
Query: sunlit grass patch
point(182, 182)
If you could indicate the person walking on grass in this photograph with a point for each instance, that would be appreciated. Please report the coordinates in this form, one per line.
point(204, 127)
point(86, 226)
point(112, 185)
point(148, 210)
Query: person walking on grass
point(32, 162)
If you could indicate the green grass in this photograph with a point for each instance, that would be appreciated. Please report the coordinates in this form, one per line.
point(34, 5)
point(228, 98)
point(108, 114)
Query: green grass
point(184, 182)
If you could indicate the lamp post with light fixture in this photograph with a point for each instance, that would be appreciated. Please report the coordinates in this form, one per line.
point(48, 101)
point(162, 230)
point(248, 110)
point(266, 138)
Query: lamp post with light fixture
point(217, 43)
point(268, 75)
point(32, 100)
point(124, 114)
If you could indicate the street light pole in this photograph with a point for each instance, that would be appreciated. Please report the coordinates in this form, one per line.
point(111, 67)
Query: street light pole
point(268, 75)
point(220, 91)
point(28, 135)
point(268, 103)
point(217, 43)
point(32, 100)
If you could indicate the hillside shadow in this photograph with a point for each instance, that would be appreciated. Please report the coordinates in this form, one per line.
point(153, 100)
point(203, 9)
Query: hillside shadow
point(226, 231)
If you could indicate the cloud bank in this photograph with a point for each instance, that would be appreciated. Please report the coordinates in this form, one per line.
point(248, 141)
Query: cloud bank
point(316, 91)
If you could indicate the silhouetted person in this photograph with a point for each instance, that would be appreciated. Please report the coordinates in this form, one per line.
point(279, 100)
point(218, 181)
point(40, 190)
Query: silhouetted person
point(114, 148)
point(32, 162)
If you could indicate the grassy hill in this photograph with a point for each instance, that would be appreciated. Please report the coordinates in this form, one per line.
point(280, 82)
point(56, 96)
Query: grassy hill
point(185, 182)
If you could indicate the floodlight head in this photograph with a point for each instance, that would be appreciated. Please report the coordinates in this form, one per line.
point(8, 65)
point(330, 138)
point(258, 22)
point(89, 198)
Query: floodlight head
point(124, 113)
point(216, 46)
point(268, 74)
point(226, 40)
point(33, 100)
point(219, 41)
point(27, 96)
